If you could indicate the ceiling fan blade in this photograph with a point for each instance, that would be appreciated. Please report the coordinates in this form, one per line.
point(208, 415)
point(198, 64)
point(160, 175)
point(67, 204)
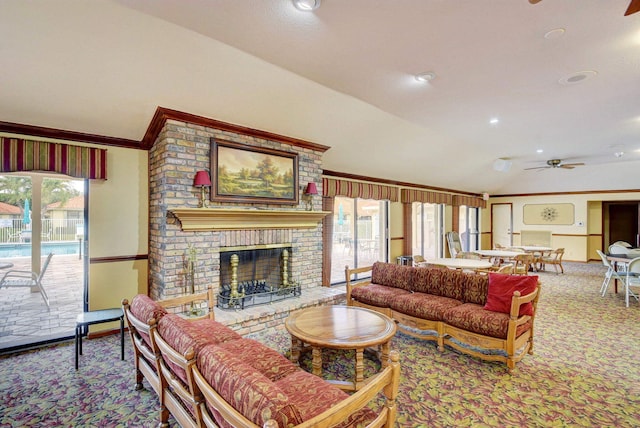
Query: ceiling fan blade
point(534, 1)
point(539, 168)
point(564, 165)
point(634, 7)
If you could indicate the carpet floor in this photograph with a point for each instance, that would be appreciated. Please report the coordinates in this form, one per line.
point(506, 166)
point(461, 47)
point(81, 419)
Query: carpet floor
point(584, 373)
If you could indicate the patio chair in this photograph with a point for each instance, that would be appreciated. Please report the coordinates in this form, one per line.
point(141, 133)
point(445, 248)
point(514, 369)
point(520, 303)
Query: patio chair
point(27, 279)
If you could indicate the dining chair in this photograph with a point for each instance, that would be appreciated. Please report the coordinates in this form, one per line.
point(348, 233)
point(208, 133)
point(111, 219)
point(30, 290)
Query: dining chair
point(522, 263)
point(623, 243)
point(554, 258)
point(468, 255)
point(618, 249)
point(611, 273)
point(418, 260)
point(632, 280)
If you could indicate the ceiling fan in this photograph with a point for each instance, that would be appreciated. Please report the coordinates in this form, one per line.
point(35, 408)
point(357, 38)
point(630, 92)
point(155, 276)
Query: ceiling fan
point(634, 6)
point(557, 163)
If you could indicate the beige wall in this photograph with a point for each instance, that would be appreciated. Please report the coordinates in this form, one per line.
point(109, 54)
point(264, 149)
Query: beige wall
point(118, 228)
point(580, 239)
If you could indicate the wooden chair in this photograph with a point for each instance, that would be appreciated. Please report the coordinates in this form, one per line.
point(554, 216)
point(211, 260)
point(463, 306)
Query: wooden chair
point(554, 258)
point(468, 255)
point(522, 263)
point(505, 269)
point(27, 279)
point(418, 260)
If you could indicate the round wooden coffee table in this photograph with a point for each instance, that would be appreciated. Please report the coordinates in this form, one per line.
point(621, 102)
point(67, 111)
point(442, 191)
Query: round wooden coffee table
point(340, 327)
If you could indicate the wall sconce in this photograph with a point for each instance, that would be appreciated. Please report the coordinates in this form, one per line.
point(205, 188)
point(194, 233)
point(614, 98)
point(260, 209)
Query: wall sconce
point(202, 181)
point(309, 191)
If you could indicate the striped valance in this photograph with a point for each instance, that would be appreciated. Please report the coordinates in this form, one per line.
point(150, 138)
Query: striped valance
point(356, 189)
point(470, 201)
point(414, 195)
point(17, 154)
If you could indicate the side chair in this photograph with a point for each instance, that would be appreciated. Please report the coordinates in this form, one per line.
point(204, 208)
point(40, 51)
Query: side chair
point(632, 280)
point(522, 263)
point(15, 278)
point(610, 274)
point(553, 258)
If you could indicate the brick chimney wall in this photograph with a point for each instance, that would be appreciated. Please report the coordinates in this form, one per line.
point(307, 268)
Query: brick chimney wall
point(180, 150)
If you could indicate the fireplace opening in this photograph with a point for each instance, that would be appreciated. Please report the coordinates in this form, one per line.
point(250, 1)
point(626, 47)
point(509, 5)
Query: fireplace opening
point(255, 276)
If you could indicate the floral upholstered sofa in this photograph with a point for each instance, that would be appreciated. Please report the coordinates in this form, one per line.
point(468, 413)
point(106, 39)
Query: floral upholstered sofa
point(490, 316)
point(206, 374)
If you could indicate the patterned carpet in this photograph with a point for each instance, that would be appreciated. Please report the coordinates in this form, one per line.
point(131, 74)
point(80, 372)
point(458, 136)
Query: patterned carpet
point(584, 373)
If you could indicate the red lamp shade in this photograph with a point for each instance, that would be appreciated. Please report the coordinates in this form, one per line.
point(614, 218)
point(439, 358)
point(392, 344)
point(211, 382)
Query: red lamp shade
point(311, 189)
point(202, 179)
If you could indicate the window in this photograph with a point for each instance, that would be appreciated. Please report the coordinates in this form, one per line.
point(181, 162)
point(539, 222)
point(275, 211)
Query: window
point(427, 229)
point(468, 227)
point(359, 234)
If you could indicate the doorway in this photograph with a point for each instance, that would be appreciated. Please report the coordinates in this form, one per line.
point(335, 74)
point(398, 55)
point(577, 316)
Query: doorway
point(621, 222)
point(41, 214)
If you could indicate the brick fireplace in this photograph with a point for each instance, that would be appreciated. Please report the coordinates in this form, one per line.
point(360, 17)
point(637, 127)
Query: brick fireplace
point(176, 224)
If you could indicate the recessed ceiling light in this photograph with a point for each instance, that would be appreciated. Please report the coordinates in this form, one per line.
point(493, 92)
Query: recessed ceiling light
point(618, 154)
point(539, 151)
point(427, 76)
point(578, 77)
point(554, 34)
point(306, 5)
point(494, 121)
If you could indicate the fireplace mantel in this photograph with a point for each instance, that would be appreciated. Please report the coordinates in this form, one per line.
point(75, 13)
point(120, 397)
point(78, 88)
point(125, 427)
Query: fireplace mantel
point(202, 219)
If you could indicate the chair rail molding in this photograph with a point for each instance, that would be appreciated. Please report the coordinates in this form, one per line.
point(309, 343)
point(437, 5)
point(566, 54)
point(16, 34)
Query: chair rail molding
point(203, 219)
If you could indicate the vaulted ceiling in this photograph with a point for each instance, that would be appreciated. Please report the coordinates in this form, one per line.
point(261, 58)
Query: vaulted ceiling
point(561, 77)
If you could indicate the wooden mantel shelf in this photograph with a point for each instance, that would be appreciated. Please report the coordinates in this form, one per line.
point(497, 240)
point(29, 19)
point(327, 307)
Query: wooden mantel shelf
point(202, 219)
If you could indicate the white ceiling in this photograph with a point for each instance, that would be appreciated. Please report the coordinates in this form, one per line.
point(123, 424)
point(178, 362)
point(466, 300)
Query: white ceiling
point(343, 76)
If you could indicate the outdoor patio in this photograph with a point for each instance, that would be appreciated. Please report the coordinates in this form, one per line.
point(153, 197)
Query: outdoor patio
point(23, 315)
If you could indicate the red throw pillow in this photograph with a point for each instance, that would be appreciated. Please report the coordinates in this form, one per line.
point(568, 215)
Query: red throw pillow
point(501, 288)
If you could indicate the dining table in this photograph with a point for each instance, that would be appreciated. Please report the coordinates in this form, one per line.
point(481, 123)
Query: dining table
point(468, 264)
point(532, 248)
point(502, 254)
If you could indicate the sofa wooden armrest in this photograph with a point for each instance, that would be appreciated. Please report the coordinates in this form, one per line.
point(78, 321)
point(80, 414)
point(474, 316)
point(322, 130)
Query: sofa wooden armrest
point(146, 353)
point(387, 382)
point(189, 300)
point(173, 390)
point(351, 284)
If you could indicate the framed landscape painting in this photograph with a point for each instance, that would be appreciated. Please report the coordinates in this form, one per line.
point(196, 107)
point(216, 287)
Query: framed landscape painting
point(242, 173)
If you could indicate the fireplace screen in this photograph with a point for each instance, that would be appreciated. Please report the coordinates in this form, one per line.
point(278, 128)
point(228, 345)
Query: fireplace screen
point(255, 276)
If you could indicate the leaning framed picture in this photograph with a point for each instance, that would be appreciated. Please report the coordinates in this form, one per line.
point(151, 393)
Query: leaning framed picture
point(247, 174)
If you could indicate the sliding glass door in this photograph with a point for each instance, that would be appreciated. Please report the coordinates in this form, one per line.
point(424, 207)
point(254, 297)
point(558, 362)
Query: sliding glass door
point(359, 234)
point(40, 215)
point(427, 231)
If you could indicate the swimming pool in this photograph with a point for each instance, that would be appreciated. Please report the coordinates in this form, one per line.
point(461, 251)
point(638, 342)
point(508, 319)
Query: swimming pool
point(24, 250)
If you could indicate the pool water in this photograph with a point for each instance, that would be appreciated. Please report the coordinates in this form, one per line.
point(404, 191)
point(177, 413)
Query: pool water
point(24, 250)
